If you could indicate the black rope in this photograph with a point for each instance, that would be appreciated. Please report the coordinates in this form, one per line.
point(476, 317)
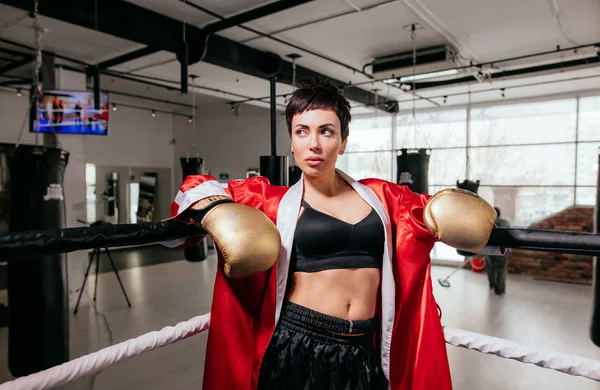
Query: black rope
point(19, 245)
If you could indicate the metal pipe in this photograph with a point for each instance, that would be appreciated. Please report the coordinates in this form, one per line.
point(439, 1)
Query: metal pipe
point(595, 325)
point(495, 89)
point(264, 35)
point(273, 119)
point(492, 63)
point(147, 98)
point(325, 19)
point(54, 54)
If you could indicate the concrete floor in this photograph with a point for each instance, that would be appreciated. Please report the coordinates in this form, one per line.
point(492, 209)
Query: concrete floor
point(546, 315)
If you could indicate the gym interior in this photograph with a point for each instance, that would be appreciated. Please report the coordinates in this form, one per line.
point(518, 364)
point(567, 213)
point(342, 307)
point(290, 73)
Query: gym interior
point(120, 100)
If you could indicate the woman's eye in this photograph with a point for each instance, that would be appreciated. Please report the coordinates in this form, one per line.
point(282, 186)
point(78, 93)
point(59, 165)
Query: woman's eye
point(327, 131)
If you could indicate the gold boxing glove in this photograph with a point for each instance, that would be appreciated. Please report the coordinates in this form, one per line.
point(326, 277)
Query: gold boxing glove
point(249, 242)
point(460, 219)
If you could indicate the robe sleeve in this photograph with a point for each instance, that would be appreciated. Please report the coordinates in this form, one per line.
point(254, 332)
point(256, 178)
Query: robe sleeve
point(415, 208)
point(416, 223)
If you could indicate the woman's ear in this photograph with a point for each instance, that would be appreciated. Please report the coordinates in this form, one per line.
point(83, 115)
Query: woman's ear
point(343, 147)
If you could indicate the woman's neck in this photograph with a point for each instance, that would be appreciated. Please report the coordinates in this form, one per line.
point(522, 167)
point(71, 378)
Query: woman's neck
point(327, 185)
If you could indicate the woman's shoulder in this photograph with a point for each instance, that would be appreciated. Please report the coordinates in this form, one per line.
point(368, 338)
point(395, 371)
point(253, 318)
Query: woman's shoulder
point(386, 188)
point(376, 183)
point(259, 186)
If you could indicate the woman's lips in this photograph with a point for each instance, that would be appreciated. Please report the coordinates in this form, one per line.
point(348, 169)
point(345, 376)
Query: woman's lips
point(314, 161)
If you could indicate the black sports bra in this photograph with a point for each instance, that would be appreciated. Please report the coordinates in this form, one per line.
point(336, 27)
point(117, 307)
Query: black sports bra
point(323, 242)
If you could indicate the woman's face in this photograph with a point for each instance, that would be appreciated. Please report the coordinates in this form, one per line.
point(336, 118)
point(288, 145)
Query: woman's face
point(317, 141)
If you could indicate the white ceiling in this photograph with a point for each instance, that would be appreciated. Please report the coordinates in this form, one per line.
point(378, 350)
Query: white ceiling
point(481, 30)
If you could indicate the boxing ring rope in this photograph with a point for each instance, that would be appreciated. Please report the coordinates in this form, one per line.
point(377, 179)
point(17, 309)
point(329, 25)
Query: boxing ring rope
point(506, 349)
point(104, 358)
point(19, 245)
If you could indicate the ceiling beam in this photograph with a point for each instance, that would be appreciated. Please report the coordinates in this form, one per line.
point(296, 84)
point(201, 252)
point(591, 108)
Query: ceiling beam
point(16, 64)
point(253, 14)
point(7, 83)
point(137, 24)
point(528, 71)
point(134, 55)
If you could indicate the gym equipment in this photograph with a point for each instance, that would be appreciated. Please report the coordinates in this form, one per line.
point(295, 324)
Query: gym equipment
point(111, 197)
point(413, 169)
point(595, 327)
point(445, 282)
point(274, 167)
point(294, 175)
point(96, 255)
point(468, 185)
point(38, 336)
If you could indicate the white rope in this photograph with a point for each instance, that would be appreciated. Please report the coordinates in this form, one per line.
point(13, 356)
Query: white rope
point(568, 364)
point(98, 361)
point(104, 358)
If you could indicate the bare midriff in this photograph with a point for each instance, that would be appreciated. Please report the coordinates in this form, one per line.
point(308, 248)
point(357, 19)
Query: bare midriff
point(349, 294)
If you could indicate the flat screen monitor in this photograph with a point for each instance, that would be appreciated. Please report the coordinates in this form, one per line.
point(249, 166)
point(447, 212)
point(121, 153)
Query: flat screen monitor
point(71, 112)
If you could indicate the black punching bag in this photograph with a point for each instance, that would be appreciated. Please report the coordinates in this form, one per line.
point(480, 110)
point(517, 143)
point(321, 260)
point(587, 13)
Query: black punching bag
point(413, 170)
point(295, 175)
point(468, 185)
point(193, 166)
point(38, 301)
point(112, 194)
point(275, 168)
point(595, 328)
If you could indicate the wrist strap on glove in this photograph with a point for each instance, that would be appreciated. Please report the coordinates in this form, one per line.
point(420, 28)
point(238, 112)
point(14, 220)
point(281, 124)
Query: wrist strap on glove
point(199, 210)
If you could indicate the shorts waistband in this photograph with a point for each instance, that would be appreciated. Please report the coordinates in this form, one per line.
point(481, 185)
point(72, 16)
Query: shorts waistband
point(322, 323)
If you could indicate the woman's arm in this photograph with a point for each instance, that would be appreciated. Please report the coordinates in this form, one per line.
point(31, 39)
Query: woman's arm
point(248, 241)
point(461, 219)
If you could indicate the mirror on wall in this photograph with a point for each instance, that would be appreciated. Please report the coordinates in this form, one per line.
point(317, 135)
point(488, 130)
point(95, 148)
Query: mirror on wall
point(146, 197)
point(121, 194)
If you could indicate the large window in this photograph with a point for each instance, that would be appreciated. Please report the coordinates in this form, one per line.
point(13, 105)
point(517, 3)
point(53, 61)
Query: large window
point(370, 134)
point(547, 165)
point(524, 123)
point(368, 153)
point(532, 159)
point(589, 119)
point(440, 129)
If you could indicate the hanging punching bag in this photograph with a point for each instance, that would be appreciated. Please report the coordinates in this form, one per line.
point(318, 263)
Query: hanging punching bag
point(193, 166)
point(595, 328)
point(413, 170)
point(38, 336)
point(468, 185)
point(295, 175)
point(112, 194)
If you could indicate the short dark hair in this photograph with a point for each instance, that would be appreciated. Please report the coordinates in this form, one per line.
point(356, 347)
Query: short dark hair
point(319, 94)
point(497, 211)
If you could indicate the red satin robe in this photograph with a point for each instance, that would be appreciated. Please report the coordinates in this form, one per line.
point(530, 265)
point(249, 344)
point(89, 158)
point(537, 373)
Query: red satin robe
point(245, 311)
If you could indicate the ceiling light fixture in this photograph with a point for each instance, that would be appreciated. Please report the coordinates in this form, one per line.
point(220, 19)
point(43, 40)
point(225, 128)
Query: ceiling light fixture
point(441, 73)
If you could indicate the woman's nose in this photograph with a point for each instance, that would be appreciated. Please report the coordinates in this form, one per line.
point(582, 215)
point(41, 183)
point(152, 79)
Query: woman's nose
point(314, 143)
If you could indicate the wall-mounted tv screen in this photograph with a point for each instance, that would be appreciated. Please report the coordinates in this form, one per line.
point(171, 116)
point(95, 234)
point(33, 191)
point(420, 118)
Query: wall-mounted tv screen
point(71, 112)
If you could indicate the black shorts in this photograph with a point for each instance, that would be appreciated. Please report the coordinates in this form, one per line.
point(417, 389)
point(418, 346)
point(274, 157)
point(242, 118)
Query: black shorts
point(311, 350)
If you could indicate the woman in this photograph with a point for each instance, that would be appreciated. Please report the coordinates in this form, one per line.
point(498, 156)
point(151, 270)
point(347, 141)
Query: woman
point(348, 303)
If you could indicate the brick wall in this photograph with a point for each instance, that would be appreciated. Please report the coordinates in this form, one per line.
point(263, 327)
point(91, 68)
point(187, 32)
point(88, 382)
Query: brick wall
point(557, 266)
